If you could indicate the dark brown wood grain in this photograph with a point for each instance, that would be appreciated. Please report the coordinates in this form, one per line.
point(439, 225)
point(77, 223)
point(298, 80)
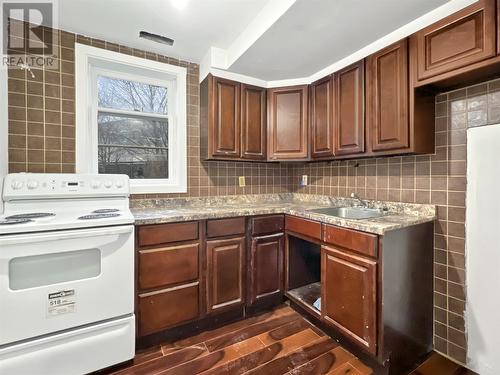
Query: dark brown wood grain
point(288, 133)
point(302, 226)
point(165, 266)
point(269, 224)
point(266, 267)
point(350, 110)
point(158, 234)
point(464, 38)
point(349, 296)
point(281, 365)
point(387, 99)
point(156, 310)
point(226, 118)
point(253, 122)
point(322, 109)
point(225, 227)
point(360, 242)
point(225, 274)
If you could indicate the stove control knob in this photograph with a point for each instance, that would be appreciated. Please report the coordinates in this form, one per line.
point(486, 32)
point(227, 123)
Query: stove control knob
point(32, 184)
point(16, 184)
point(108, 184)
point(95, 184)
point(119, 184)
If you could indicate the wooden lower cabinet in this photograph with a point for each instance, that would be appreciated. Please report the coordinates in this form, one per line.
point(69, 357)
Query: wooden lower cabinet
point(225, 274)
point(167, 308)
point(266, 267)
point(349, 291)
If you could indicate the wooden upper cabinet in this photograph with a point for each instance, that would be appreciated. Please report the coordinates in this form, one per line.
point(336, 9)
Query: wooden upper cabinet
point(220, 118)
point(387, 119)
point(226, 126)
point(349, 110)
point(322, 131)
point(287, 123)
point(225, 273)
point(253, 122)
point(461, 39)
point(348, 296)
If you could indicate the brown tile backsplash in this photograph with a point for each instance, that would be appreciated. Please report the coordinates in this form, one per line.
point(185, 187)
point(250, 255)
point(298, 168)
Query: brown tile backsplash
point(42, 139)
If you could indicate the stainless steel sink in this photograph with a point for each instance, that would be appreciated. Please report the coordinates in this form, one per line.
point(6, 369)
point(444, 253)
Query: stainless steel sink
point(357, 213)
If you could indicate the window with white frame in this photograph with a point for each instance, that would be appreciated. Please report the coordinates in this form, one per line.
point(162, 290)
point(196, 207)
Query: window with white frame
point(131, 119)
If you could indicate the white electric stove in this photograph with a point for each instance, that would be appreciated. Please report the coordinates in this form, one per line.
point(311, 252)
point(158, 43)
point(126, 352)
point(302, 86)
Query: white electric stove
point(66, 274)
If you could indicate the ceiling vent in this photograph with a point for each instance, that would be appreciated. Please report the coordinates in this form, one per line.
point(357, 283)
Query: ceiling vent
point(156, 38)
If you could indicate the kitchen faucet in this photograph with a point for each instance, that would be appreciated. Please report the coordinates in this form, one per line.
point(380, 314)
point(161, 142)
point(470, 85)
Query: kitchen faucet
point(363, 203)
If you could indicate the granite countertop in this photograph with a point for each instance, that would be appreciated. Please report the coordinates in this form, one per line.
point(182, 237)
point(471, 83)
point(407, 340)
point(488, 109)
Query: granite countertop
point(398, 215)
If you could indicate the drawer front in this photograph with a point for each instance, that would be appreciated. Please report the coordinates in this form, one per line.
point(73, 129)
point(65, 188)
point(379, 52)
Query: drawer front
point(168, 265)
point(360, 242)
point(158, 234)
point(225, 227)
point(267, 224)
point(305, 227)
point(168, 308)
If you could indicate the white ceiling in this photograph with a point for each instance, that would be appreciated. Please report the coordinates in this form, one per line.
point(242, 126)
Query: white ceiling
point(194, 28)
point(264, 42)
point(313, 34)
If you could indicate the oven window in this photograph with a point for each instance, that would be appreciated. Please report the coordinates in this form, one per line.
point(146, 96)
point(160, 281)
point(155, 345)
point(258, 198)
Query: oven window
point(47, 269)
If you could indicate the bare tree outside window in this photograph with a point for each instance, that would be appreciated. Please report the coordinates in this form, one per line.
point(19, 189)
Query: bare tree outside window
point(132, 128)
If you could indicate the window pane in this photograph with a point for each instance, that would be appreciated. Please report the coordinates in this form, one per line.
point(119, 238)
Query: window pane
point(137, 147)
point(135, 162)
point(131, 96)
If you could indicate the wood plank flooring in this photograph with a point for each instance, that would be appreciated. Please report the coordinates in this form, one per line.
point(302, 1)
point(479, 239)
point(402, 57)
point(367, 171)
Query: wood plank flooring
point(276, 342)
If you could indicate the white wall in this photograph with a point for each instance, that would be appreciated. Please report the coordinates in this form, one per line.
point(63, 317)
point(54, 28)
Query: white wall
point(483, 249)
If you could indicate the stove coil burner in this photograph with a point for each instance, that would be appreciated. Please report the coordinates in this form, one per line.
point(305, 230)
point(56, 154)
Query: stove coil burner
point(105, 210)
point(97, 216)
point(33, 215)
point(14, 221)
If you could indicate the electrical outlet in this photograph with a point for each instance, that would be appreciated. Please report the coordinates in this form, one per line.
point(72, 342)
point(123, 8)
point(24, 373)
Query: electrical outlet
point(241, 181)
point(303, 180)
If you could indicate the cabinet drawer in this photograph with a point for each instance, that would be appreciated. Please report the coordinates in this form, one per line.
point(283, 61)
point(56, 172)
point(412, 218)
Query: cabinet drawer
point(305, 227)
point(225, 227)
point(167, 308)
point(267, 224)
point(164, 233)
point(168, 265)
point(360, 242)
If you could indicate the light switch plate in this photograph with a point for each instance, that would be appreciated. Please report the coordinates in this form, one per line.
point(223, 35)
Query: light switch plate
point(241, 181)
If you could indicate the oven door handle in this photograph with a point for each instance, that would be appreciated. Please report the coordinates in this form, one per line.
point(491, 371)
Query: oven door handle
point(54, 236)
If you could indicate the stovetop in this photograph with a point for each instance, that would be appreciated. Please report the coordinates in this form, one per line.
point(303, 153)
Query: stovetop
point(44, 202)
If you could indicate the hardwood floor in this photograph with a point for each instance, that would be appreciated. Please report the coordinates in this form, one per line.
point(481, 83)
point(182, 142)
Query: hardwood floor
point(276, 342)
point(439, 365)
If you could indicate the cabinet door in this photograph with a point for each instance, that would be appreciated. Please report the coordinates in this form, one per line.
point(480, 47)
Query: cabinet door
point(253, 122)
point(225, 272)
point(322, 118)
point(226, 122)
point(349, 110)
point(266, 267)
point(387, 98)
point(348, 295)
point(461, 39)
point(288, 133)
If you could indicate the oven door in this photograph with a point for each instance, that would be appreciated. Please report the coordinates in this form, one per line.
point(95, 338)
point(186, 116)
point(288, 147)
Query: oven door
point(54, 281)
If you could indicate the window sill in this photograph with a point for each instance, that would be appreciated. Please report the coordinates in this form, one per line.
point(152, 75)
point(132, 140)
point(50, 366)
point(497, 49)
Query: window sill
point(150, 187)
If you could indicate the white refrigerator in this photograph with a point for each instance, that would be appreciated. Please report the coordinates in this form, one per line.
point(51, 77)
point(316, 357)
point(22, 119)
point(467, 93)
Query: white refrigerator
point(483, 249)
